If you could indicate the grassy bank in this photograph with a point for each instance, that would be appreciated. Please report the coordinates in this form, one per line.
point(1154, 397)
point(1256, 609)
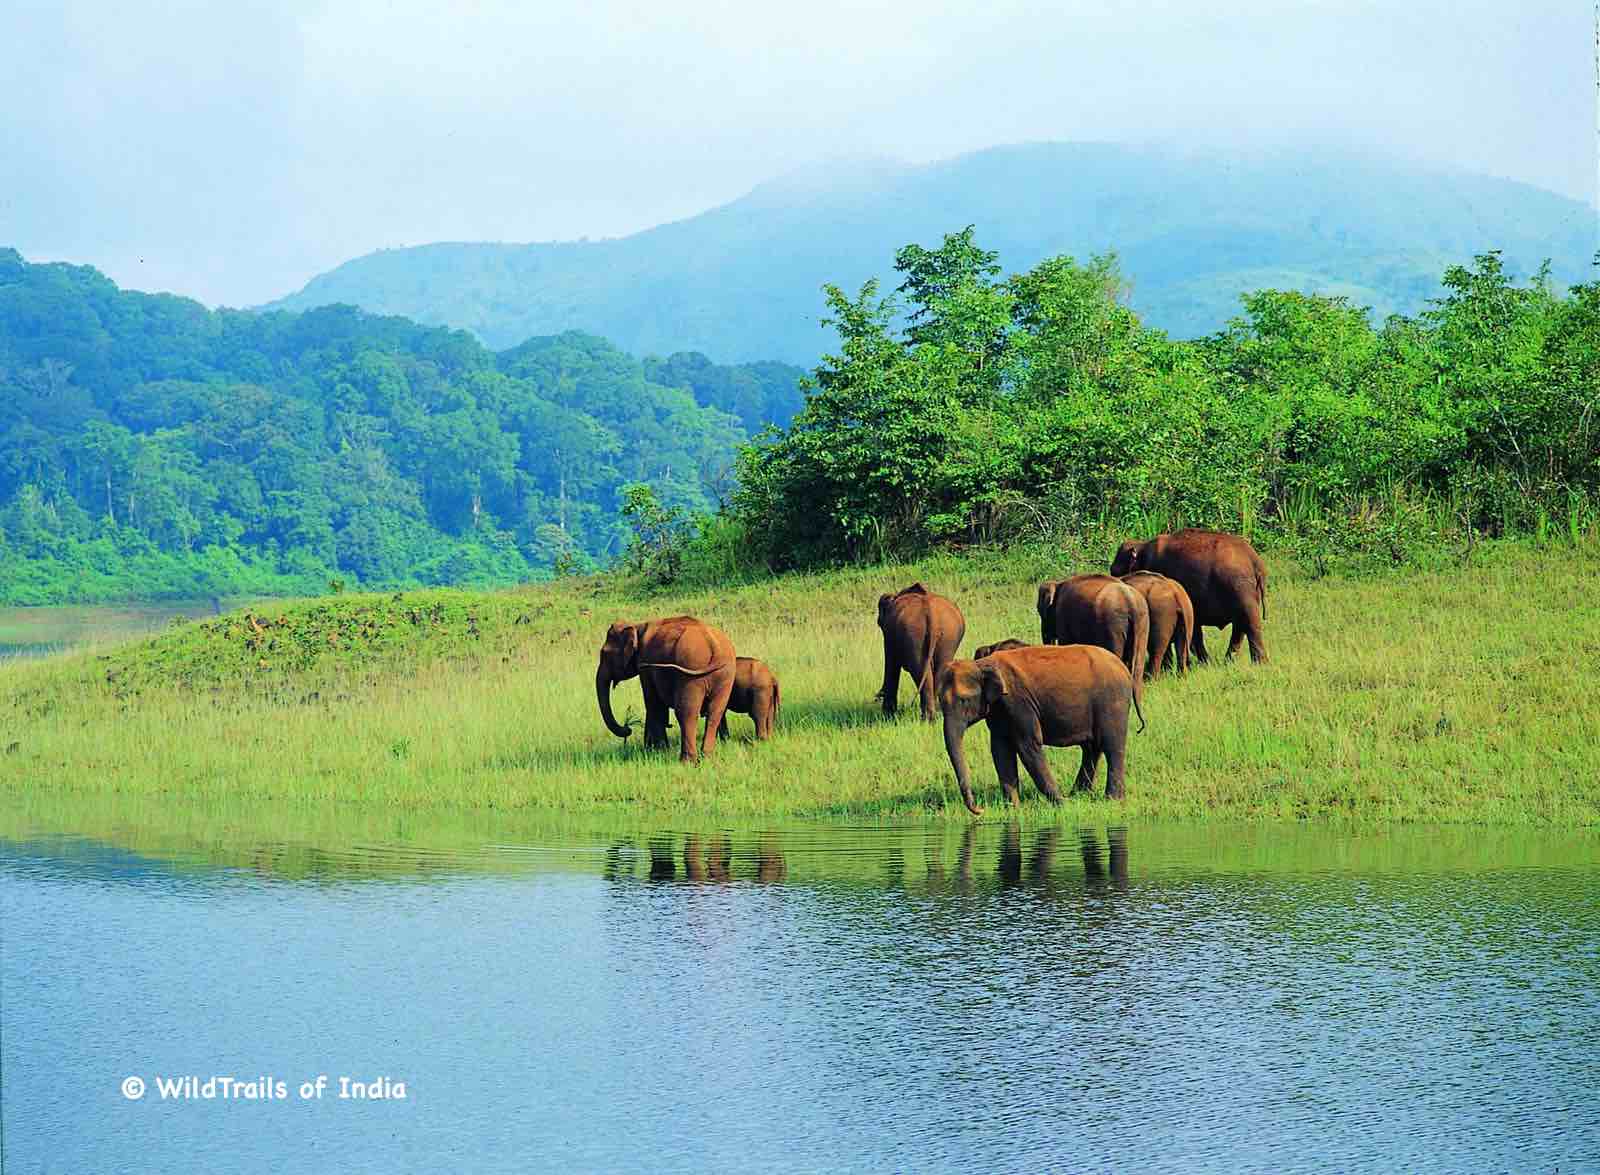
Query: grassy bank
point(1468, 696)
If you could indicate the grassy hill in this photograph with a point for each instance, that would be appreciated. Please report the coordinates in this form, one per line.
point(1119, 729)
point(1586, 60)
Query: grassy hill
point(741, 281)
point(1455, 696)
point(151, 448)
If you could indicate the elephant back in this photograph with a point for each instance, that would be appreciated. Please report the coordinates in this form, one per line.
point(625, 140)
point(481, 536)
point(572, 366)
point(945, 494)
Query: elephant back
point(688, 644)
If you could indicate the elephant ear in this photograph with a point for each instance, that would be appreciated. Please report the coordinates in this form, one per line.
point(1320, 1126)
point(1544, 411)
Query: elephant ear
point(1047, 595)
point(996, 682)
point(627, 641)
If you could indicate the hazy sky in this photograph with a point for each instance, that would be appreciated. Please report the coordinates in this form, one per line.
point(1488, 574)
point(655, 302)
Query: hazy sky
point(231, 149)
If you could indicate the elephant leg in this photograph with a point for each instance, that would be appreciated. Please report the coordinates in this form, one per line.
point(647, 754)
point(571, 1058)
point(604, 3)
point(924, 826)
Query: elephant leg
point(930, 703)
point(690, 705)
point(1087, 769)
point(1032, 752)
point(1198, 645)
point(891, 679)
point(1116, 748)
point(1253, 632)
point(1235, 640)
point(761, 713)
point(718, 710)
point(1160, 642)
point(655, 712)
point(722, 727)
point(1003, 750)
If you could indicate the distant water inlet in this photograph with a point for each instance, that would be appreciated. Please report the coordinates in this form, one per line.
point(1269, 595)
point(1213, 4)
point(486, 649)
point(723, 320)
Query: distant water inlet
point(947, 997)
point(41, 631)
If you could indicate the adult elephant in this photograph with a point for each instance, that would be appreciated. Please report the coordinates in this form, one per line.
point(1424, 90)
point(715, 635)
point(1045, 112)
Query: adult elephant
point(683, 665)
point(1096, 609)
point(921, 632)
point(1223, 574)
point(1171, 619)
point(1039, 696)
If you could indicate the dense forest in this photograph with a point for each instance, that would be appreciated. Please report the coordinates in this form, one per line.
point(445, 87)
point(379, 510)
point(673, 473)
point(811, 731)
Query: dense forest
point(150, 447)
point(1038, 406)
point(1194, 230)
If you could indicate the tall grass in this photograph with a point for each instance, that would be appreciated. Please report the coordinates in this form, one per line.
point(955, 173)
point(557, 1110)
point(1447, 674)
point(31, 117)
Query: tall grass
point(1466, 694)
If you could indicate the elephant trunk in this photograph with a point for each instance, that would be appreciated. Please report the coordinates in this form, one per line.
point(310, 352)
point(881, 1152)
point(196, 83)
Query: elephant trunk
point(602, 691)
point(954, 728)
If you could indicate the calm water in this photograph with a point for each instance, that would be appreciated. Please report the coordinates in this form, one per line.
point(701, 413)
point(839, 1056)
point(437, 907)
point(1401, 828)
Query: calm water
point(998, 998)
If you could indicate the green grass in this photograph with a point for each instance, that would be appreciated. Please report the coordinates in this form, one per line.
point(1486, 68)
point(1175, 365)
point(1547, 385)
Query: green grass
point(1462, 696)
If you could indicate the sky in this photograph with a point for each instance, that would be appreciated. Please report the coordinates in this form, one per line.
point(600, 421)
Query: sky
point(232, 151)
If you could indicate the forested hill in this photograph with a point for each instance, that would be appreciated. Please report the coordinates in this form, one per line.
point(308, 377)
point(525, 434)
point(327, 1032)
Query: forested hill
point(152, 447)
point(1193, 232)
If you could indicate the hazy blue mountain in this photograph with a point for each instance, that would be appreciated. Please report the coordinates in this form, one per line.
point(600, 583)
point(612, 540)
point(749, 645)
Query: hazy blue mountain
point(741, 282)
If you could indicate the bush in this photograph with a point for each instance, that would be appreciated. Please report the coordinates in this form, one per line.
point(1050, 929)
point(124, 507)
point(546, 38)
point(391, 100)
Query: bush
point(1038, 407)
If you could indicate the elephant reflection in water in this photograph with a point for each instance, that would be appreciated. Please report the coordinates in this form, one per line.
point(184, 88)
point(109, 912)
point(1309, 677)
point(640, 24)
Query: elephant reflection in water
point(715, 863)
point(1044, 856)
point(770, 862)
point(933, 858)
point(712, 859)
point(1094, 863)
point(1035, 865)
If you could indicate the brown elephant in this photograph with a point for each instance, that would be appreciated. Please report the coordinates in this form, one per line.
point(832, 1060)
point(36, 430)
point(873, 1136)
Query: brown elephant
point(1036, 697)
point(998, 647)
point(683, 665)
point(755, 692)
point(1171, 619)
point(1223, 575)
point(1096, 609)
point(921, 632)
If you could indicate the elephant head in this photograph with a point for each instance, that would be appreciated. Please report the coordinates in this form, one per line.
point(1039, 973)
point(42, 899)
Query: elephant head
point(967, 691)
point(883, 606)
point(619, 660)
point(1128, 557)
point(1046, 606)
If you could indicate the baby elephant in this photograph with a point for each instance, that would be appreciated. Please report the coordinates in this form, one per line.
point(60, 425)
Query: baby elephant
point(755, 692)
point(997, 647)
point(1044, 695)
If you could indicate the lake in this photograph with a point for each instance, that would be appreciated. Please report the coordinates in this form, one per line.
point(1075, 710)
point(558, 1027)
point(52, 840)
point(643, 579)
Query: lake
point(949, 997)
point(40, 631)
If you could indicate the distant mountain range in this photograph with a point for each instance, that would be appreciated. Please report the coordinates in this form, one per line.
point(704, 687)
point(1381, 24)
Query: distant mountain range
point(1194, 231)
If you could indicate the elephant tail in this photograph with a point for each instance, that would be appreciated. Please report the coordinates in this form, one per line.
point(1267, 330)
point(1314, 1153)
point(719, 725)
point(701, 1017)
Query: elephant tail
point(925, 678)
point(683, 669)
point(1185, 636)
point(1261, 587)
point(1137, 710)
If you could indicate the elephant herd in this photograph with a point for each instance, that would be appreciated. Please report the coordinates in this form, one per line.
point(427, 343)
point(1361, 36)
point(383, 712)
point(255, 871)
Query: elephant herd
point(1100, 637)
